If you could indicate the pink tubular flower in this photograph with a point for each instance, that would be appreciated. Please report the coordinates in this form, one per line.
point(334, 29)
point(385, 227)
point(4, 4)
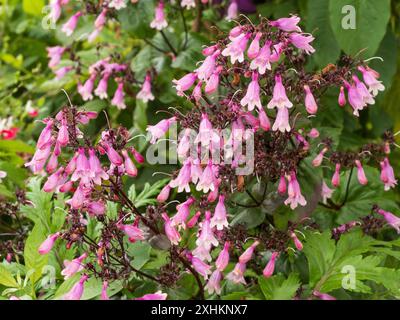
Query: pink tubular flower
point(311, 105)
point(104, 295)
point(264, 121)
point(197, 94)
point(86, 90)
point(46, 134)
point(233, 10)
point(237, 274)
point(252, 97)
point(314, 133)
point(79, 197)
point(219, 219)
point(69, 27)
point(391, 219)
point(119, 95)
point(223, 258)
point(248, 254)
point(184, 177)
point(213, 284)
point(326, 192)
point(96, 171)
point(336, 176)
point(101, 90)
point(60, 73)
point(206, 133)
point(132, 231)
point(96, 208)
point(208, 179)
point(193, 220)
point(262, 60)
point(207, 68)
point(55, 53)
point(154, 296)
point(77, 290)
point(282, 185)
point(72, 267)
point(342, 97)
point(185, 83)
point(370, 77)
point(323, 296)
point(164, 194)
point(54, 181)
point(318, 159)
point(113, 155)
point(160, 129)
point(145, 93)
point(39, 158)
point(82, 167)
point(277, 51)
point(101, 19)
point(200, 266)
point(206, 238)
point(235, 49)
point(362, 179)
point(355, 99)
point(282, 120)
point(302, 42)
point(363, 91)
point(213, 82)
point(235, 32)
point(294, 193)
point(287, 24)
point(207, 51)
point(183, 212)
point(172, 234)
point(188, 4)
point(279, 98)
point(55, 10)
point(117, 4)
point(63, 136)
point(254, 48)
point(297, 242)
point(270, 267)
point(387, 174)
point(48, 244)
point(130, 167)
point(159, 22)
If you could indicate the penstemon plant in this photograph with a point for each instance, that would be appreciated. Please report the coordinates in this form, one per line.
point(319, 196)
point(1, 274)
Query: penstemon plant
point(251, 93)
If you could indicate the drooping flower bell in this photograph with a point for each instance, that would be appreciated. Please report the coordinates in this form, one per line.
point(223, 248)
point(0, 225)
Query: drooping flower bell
point(184, 177)
point(183, 212)
point(206, 238)
point(362, 179)
point(326, 192)
point(55, 53)
point(119, 95)
point(77, 290)
point(279, 98)
point(295, 197)
point(145, 93)
point(297, 242)
point(133, 232)
point(287, 24)
point(74, 266)
point(336, 176)
point(302, 42)
point(254, 48)
point(237, 274)
point(86, 90)
point(233, 10)
point(262, 61)
point(69, 27)
point(391, 219)
point(170, 231)
point(185, 83)
point(207, 68)
point(219, 219)
point(387, 174)
point(248, 253)
point(282, 120)
point(311, 105)
point(164, 194)
point(270, 267)
point(370, 77)
point(48, 244)
point(208, 180)
point(235, 49)
point(101, 90)
point(252, 97)
point(160, 129)
point(159, 22)
point(318, 159)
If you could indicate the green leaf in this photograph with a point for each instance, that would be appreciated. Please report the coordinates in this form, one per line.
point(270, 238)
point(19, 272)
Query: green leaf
point(33, 7)
point(148, 194)
point(250, 217)
point(6, 278)
point(140, 251)
point(136, 18)
point(278, 287)
point(371, 21)
point(33, 260)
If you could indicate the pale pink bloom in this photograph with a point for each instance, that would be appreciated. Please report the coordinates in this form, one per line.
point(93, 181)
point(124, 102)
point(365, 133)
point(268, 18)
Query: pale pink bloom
point(248, 253)
point(96, 208)
point(214, 283)
point(223, 258)
point(323, 296)
point(201, 267)
point(252, 97)
point(391, 219)
point(54, 181)
point(235, 49)
point(185, 83)
point(206, 133)
point(207, 51)
point(97, 172)
point(264, 121)
point(101, 19)
point(270, 267)
point(160, 129)
point(133, 232)
point(196, 94)
point(117, 4)
point(184, 143)
point(342, 97)
point(326, 192)
point(101, 90)
point(86, 90)
point(55, 10)
point(206, 238)
point(213, 82)
point(279, 98)
point(318, 159)
point(184, 177)
point(164, 194)
point(55, 53)
point(154, 296)
point(207, 68)
point(262, 60)
point(235, 32)
point(219, 219)
point(137, 156)
point(3, 174)
point(82, 170)
point(39, 158)
point(297, 242)
point(370, 77)
point(172, 234)
point(77, 290)
point(119, 96)
point(233, 11)
point(159, 21)
point(287, 24)
point(277, 51)
point(294, 193)
point(203, 253)
point(355, 99)
point(66, 187)
point(336, 176)
point(362, 179)
point(314, 133)
point(193, 220)
point(69, 27)
point(282, 120)
point(208, 179)
point(113, 155)
point(93, 35)
point(363, 91)
point(282, 185)
point(79, 198)
point(188, 4)
point(104, 295)
point(52, 164)
point(63, 136)
point(387, 174)
point(311, 105)
point(74, 266)
point(254, 48)
point(237, 274)
point(302, 42)
point(48, 244)
point(145, 93)
point(60, 73)
point(183, 212)
point(130, 167)
point(46, 135)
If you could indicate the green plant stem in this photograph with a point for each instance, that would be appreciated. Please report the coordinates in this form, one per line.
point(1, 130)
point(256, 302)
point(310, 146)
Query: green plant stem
point(168, 43)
